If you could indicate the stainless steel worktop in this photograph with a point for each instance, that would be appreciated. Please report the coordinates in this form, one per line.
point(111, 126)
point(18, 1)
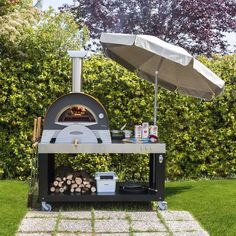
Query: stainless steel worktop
point(103, 148)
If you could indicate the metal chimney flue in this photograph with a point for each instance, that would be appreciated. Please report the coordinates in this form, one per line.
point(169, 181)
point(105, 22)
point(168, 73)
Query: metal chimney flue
point(77, 61)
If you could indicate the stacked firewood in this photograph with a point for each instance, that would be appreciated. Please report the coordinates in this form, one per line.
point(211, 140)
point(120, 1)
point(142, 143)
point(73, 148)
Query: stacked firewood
point(77, 182)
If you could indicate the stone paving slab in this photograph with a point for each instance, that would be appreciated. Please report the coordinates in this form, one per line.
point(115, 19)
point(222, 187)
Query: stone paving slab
point(75, 234)
point(37, 225)
point(194, 233)
point(143, 215)
point(76, 214)
point(75, 225)
point(152, 234)
point(110, 214)
point(148, 226)
point(113, 234)
point(183, 226)
point(33, 234)
point(114, 225)
point(176, 215)
point(68, 234)
point(41, 214)
point(110, 223)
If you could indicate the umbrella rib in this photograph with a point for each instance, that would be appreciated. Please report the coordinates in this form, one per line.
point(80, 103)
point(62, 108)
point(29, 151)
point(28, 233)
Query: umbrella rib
point(138, 68)
point(160, 64)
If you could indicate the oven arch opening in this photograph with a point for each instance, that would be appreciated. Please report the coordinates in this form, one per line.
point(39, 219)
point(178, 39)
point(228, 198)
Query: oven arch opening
point(76, 114)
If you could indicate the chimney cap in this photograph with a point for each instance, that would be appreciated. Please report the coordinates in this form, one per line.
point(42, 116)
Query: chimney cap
point(78, 54)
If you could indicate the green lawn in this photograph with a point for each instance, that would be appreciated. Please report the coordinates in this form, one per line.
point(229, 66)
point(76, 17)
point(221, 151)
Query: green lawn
point(212, 203)
point(13, 200)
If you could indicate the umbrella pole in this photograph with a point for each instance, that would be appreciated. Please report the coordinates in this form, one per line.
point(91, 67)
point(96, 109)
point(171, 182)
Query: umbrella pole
point(155, 98)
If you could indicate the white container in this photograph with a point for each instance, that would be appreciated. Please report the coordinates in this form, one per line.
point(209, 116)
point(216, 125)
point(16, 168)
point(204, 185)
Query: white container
point(106, 182)
point(138, 131)
point(128, 134)
point(154, 130)
point(145, 130)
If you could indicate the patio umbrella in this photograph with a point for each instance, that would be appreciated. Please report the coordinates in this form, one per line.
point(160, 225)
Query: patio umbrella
point(160, 62)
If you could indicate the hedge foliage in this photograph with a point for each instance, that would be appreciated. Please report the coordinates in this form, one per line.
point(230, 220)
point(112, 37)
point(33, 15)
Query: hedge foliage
point(35, 70)
point(200, 136)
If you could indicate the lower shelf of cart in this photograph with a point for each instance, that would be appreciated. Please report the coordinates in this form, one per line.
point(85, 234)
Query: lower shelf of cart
point(145, 196)
point(101, 197)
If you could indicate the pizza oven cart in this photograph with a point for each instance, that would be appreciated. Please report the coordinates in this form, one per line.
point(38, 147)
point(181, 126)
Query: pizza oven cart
point(156, 173)
point(78, 123)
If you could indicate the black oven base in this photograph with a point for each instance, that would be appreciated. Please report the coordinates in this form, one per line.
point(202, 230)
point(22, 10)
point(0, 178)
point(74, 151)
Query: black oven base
point(156, 181)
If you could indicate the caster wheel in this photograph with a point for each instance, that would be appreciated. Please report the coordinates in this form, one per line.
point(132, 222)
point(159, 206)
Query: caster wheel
point(46, 206)
point(162, 206)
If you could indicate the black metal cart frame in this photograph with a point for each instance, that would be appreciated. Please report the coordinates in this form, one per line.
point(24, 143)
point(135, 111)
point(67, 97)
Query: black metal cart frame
point(157, 161)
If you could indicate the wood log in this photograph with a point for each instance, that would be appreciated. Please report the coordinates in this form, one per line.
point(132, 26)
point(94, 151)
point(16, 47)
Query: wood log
point(38, 132)
point(93, 189)
point(58, 179)
point(60, 184)
point(35, 130)
point(87, 185)
point(78, 180)
point(52, 189)
point(65, 187)
point(61, 190)
point(78, 190)
point(57, 190)
point(74, 186)
point(69, 177)
point(86, 182)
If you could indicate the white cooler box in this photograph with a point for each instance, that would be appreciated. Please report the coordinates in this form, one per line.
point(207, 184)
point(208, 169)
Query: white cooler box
point(106, 182)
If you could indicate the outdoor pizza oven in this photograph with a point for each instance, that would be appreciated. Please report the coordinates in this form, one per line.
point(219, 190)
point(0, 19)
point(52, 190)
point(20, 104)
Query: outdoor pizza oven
point(76, 117)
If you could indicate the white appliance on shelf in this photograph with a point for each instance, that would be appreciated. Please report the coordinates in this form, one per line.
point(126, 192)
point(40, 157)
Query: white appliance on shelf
point(106, 182)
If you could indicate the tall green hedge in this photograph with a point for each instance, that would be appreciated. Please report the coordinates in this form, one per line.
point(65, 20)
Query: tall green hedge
point(200, 135)
point(34, 71)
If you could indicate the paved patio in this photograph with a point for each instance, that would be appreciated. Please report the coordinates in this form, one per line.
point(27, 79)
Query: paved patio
point(110, 223)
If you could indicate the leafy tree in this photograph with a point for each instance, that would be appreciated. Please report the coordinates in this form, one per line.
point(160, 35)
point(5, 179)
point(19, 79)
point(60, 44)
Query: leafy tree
point(8, 6)
point(197, 26)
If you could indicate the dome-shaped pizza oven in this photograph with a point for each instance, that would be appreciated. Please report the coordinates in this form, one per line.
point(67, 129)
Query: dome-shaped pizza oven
point(76, 116)
point(77, 110)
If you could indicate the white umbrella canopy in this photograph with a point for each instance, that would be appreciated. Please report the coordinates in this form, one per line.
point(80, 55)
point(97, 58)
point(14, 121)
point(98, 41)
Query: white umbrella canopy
point(177, 69)
point(156, 60)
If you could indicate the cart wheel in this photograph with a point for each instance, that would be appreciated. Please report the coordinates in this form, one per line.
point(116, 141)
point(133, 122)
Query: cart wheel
point(161, 205)
point(46, 206)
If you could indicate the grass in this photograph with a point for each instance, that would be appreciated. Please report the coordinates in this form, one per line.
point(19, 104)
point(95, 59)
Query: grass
point(212, 203)
point(13, 201)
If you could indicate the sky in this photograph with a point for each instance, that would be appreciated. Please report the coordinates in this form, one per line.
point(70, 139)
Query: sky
point(54, 3)
point(57, 3)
